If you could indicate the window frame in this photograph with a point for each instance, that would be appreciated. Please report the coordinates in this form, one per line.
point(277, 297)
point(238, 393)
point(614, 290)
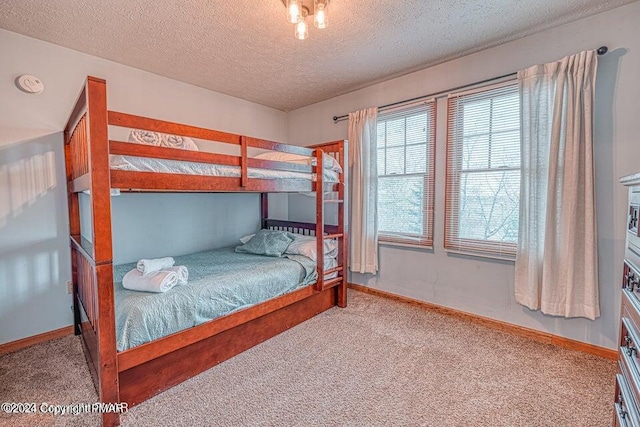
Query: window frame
point(455, 171)
point(424, 240)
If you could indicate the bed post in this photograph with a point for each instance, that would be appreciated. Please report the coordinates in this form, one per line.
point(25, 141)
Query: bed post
point(319, 170)
point(264, 209)
point(343, 222)
point(102, 242)
point(87, 167)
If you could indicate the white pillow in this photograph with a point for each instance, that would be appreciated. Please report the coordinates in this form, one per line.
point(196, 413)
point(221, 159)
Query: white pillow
point(146, 137)
point(279, 156)
point(245, 239)
point(306, 246)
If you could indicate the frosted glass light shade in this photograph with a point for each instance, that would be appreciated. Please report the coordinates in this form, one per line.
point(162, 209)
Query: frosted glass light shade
point(302, 30)
point(294, 11)
point(321, 13)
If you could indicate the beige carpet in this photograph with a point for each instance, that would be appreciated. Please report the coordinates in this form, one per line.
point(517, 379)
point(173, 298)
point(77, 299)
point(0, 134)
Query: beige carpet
point(375, 363)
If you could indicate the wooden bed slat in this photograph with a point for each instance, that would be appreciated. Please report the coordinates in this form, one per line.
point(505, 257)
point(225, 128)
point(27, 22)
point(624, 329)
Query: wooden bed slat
point(329, 147)
point(83, 245)
point(128, 180)
point(334, 236)
point(332, 282)
point(81, 183)
point(271, 164)
point(333, 270)
point(136, 122)
point(276, 146)
point(172, 182)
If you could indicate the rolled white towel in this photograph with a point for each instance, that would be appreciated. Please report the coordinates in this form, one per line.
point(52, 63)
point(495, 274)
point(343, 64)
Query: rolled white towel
point(175, 141)
point(158, 281)
point(182, 272)
point(146, 266)
point(146, 137)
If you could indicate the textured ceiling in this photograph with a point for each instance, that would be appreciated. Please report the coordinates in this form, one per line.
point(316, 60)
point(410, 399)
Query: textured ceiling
point(246, 49)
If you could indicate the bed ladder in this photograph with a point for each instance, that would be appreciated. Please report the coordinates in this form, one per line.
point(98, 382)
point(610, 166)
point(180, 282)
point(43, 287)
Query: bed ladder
point(340, 235)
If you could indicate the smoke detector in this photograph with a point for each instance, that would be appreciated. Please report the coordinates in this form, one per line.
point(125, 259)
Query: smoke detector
point(30, 84)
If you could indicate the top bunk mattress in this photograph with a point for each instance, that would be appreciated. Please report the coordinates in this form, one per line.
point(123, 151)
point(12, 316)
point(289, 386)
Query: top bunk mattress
point(148, 164)
point(221, 281)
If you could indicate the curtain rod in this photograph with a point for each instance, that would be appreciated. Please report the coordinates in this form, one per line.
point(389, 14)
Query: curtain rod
point(601, 51)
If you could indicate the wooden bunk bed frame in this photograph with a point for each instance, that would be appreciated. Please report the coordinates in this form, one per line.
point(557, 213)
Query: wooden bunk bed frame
point(141, 372)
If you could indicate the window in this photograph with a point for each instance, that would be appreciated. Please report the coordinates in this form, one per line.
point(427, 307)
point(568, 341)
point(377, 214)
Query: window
point(406, 141)
point(483, 171)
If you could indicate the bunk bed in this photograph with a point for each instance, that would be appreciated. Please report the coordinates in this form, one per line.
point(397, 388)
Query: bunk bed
point(140, 372)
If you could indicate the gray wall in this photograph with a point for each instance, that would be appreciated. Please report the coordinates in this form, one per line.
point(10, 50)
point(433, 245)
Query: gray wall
point(34, 249)
point(157, 225)
point(34, 246)
point(148, 225)
point(483, 286)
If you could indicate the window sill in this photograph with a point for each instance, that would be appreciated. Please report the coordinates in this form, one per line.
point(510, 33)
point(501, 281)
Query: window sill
point(507, 258)
point(406, 245)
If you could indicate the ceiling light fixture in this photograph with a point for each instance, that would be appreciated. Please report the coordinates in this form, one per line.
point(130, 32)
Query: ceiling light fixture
point(302, 29)
point(299, 10)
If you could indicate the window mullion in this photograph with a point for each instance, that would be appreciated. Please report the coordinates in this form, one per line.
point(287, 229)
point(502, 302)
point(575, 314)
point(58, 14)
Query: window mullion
point(405, 145)
point(490, 131)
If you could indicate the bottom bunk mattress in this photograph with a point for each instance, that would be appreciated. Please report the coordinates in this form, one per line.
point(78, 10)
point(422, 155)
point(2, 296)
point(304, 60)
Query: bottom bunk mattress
point(221, 281)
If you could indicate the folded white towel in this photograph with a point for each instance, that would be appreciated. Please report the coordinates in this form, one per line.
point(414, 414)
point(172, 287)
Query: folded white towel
point(182, 272)
point(146, 266)
point(158, 281)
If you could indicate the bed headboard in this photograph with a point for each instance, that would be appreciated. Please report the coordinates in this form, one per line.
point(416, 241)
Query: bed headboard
point(305, 228)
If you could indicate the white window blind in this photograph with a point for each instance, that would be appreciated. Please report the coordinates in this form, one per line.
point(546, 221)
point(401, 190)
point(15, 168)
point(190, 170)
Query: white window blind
point(483, 171)
point(406, 143)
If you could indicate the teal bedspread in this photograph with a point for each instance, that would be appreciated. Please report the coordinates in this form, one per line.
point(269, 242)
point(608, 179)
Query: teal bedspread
point(220, 282)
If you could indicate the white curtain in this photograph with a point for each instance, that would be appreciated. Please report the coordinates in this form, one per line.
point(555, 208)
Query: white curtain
point(363, 191)
point(557, 262)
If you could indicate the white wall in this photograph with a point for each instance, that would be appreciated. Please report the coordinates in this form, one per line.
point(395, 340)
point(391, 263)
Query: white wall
point(483, 286)
point(34, 247)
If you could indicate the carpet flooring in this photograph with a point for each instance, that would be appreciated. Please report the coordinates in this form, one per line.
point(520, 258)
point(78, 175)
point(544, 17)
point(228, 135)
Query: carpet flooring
point(376, 363)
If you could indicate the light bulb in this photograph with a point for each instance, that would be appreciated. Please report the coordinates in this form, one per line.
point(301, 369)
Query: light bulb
point(320, 16)
point(302, 30)
point(294, 11)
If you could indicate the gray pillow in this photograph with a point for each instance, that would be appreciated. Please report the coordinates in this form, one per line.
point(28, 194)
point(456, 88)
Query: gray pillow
point(267, 242)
